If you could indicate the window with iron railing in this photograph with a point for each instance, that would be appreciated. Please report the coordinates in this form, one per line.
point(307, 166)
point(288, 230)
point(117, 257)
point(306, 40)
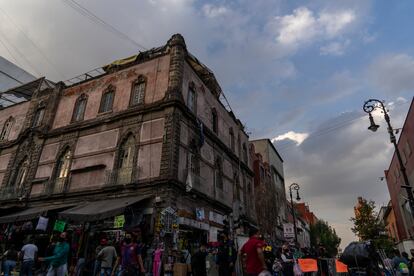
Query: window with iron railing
point(138, 91)
point(107, 100)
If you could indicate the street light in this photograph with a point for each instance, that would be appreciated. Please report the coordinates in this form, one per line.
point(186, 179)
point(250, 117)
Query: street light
point(295, 187)
point(370, 106)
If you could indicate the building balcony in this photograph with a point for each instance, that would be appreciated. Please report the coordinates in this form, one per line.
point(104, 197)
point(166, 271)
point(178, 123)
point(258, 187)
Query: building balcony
point(11, 192)
point(58, 186)
point(121, 176)
point(195, 182)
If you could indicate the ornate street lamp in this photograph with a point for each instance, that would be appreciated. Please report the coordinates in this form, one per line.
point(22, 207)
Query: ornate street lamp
point(370, 106)
point(295, 187)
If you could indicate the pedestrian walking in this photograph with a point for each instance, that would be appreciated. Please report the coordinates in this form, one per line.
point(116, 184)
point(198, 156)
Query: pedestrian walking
point(287, 261)
point(252, 254)
point(198, 262)
point(131, 257)
point(97, 263)
point(226, 257)
point(28, 256)
point(9, 258)
point(399, 263)
point(277, 267)
point(58, 265)
point(107, 257)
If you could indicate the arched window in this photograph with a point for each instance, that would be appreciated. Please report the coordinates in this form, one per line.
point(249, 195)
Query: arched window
point(245, 153)
point(126, 160)
point(218, 175)
point(191, 98)
point(214, 120)
point(231, 134)
point(79, 110)
point(107, 100)
point(138, 91)
point(38, 117)
point(21, 174)
point(6, 129)
point(63, 164)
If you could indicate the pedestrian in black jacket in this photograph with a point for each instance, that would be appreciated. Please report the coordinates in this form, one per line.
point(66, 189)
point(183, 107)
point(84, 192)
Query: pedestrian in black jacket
point(198, 262)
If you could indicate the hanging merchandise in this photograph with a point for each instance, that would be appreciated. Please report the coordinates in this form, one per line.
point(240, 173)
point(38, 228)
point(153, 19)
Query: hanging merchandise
point(59, 226)
point(42, 223)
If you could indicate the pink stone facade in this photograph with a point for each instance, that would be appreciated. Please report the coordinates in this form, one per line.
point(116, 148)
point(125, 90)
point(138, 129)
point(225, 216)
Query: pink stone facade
point(143, 149)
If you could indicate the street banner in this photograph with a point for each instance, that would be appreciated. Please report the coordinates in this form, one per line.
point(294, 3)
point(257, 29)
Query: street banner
point(341, 267)
point(308, 265)
point(59, 226)
point(288, 230)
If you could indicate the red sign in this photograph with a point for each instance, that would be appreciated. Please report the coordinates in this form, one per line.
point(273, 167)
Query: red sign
point(308, 265)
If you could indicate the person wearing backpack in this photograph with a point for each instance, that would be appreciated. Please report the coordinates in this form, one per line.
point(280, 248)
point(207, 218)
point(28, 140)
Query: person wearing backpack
point(400, 264)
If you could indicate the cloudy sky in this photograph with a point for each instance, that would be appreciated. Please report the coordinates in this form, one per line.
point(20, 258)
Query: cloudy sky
point(296, 72)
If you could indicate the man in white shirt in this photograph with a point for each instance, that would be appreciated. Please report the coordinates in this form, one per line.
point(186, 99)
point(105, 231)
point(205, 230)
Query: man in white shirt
point(29, 256)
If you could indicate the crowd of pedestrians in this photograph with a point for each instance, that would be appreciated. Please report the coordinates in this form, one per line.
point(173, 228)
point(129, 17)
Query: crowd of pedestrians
point(122, 260)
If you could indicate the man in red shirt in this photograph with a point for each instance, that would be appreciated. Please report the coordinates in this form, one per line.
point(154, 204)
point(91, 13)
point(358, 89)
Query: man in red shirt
point(252, 254)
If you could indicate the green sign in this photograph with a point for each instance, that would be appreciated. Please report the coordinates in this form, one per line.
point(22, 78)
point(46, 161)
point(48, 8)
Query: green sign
point(59, 226)
point(119, 221)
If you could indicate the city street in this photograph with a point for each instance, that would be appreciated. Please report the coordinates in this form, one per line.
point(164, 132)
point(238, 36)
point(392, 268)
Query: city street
point(182, 137)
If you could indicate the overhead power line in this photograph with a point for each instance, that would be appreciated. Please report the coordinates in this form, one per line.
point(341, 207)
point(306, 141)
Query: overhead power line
point(16, 49)
point(97, 20)
point(34, 44)
point(10, 53)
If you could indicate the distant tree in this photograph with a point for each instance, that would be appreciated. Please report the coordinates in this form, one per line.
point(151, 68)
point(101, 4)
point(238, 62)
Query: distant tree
point(323, 234)
point(368, 226)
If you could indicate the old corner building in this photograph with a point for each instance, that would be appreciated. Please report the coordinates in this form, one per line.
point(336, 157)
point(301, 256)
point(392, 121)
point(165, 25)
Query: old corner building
point(146, 137)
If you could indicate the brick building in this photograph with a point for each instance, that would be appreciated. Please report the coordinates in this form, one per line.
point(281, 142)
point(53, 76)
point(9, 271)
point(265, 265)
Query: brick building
point(147, 134)
point(304, 212)
point(403, 217)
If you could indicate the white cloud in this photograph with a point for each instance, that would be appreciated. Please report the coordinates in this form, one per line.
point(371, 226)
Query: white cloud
point(304, 26)
point(212, 11)
point(297, 27)
point(334, 23)
point(291, 135)
point(334, 48)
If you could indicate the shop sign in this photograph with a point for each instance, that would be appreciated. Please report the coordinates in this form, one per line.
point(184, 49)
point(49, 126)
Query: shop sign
point(288, 230)
point(200, 214)
point(59, 226)
point(119, 221)
point(212, 235)
point(193, 223)
point(216, 217)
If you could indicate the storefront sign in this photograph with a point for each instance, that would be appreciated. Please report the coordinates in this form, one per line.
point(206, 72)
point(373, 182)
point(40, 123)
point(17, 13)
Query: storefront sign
point(193, 223)
point(119, 221)
point(288, 230)
point(212, 235)
point(42, 223)
point(341, 267)
point(308, 265)
point(200, 214)
point(59, 226)
point(216, 217)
